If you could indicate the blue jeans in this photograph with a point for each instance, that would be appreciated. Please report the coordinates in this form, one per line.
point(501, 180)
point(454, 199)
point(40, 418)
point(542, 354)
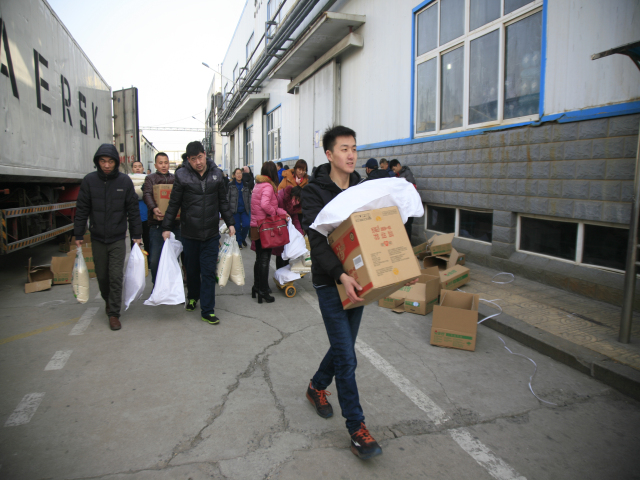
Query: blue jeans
point(156, 243)
point(200, 263)
point(340, 361)
point(242, 226)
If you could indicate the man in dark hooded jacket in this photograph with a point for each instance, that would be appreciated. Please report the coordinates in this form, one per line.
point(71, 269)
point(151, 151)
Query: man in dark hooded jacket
point(339, 363)
point(200, 191)
point(107, 198)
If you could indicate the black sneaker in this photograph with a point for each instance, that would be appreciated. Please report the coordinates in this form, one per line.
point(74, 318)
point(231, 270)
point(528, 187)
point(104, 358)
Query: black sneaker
point(211, 319)
point(363, 445)
point(240, 246)
point(318, 399)
point(191, 305)
point(244, 244)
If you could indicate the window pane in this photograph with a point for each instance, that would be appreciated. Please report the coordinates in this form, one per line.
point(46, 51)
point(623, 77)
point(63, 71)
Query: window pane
point(441, 219)
point(605, 246)
point(522, 69)
point(482, 12)
point(451, 20)
point(483, 78)
point(476, 225)
point(428, 30)
point(426, 93)
point(557, 239)
point(511, 5)
point(452, 86)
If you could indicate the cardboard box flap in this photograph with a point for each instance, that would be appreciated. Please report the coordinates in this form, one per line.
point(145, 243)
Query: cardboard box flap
point(451, 259)
point(461, 300)
point(39, 286)
point(433, 271)
point(440, 244)
point(39, 273)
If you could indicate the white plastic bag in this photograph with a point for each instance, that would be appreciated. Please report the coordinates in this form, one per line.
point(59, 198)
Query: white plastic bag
point(236, 275)
point(169, 289)
point(284, 275)
point(296, 245)
point(223, 268)
point(80, 278)
point(134, 281)
point(380, 193)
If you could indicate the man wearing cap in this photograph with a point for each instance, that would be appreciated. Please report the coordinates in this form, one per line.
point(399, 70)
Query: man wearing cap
point(107, 198)
point(373, 172)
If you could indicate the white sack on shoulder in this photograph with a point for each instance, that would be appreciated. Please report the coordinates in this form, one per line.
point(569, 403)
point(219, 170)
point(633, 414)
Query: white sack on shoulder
point(380, 193)
point(169, 289)
point(80, 278)
point(296, 245)
point(284, 275)
point(134, 281)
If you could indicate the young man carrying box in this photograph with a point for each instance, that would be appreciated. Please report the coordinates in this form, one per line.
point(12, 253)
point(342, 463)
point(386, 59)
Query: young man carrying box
point(327, 182)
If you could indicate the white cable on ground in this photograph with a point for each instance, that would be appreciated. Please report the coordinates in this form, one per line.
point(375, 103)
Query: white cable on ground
point(503, 273)
point(493, 303)
point(531, 377)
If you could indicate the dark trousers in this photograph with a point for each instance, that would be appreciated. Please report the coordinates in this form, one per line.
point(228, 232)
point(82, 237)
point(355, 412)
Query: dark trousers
point(242, 219)
point(261, 267)
point(109, 261)
point(408, 226)
point(146, 244)
point(156, 242)
point(200, 263)
point(340, 361)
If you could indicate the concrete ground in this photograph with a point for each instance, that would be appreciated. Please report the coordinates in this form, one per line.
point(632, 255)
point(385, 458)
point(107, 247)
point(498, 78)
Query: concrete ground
point(170, 397)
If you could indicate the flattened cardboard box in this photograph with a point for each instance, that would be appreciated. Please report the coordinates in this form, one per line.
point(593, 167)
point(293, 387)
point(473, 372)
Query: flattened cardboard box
point(161, 195)
point(374, 248)
point(38, 278)
point(455, 321)
point(452, 275)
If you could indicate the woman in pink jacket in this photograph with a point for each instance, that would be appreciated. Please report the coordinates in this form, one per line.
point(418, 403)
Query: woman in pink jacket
point(264, 203)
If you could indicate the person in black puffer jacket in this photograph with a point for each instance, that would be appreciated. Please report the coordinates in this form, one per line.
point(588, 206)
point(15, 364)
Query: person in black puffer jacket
point(107, 198)
point(200, 193)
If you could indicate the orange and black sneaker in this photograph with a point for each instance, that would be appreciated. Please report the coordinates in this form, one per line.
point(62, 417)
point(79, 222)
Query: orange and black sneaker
point(363, 445)
point(318, 399)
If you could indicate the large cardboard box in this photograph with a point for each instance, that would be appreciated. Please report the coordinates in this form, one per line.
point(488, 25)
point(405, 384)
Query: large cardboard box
point(161, 195)
point(38, 278)
point(62, 268)
point(455, 320)
point(419, 298)
point(452, 275)
point(87, 253)
point(374, 248)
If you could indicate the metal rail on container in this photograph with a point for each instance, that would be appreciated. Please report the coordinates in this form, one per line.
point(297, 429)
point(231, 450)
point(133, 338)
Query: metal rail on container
point(631, 50)
point(15, 213)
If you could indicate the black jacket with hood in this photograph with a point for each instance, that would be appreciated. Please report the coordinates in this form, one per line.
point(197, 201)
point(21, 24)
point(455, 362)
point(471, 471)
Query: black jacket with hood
point(326, 266)
point(107, 201)
point(377, 173)
point(201, 200)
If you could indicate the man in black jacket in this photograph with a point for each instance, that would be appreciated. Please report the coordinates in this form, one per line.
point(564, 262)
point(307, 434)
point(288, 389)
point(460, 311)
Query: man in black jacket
point(107, 197)
point(327, 182)
point(373, 172)
point(199, 190)
point(407, 174)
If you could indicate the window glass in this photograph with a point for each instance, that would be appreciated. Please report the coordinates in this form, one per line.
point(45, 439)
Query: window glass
point(557, 239)
point(426, 93)
point(511, 5)
point(451, 20)
point(452, 86)
point(522, 67)
point(273, 135)
point(428, 30)
point(476, 225)
point(441, 219)
point(482, 12)
point(605, 246)
point(483, 78)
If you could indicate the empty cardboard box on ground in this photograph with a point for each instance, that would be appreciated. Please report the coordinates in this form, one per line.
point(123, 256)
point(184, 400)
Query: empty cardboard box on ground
point(419, 298)
point(452, 275)
point(455, 320)
point(162, 195)
point(374, 248)
point(38, 278)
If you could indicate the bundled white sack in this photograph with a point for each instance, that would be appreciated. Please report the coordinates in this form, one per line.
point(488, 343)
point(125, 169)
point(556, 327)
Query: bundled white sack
point(225, 259)
point(80, 278)
point(138, 182)
point(296, 245)
point(284, 275)
point(298, 266)
point(134, 281)
point(169, 289)
point(380, 193)
point(236, 275)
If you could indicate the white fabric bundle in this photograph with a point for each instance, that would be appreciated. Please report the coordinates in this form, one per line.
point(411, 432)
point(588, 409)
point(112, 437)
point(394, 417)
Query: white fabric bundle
point(138, 181)
point(169, 289)
point(284, 275)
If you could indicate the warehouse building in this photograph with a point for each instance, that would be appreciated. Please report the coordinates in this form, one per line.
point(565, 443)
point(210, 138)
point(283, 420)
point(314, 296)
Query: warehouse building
point(521, 144)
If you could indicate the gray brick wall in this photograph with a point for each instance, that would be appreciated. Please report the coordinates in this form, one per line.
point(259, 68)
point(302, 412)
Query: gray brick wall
point(581, 170)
